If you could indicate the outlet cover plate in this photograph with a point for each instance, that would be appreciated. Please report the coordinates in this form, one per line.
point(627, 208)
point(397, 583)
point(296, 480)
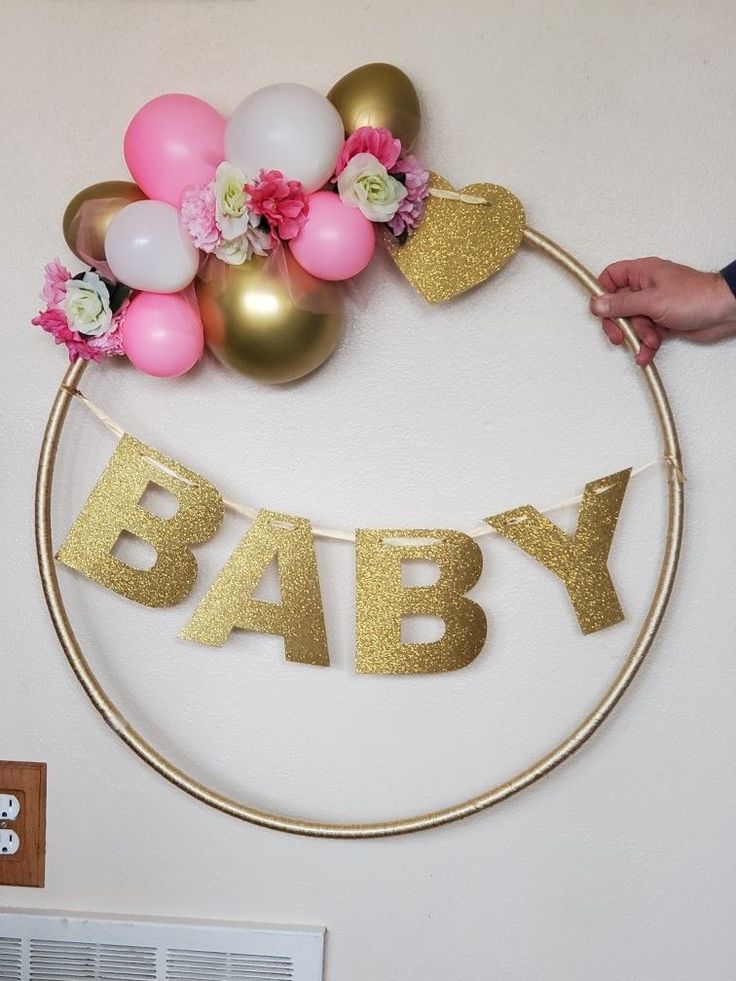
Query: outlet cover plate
point(27, 782)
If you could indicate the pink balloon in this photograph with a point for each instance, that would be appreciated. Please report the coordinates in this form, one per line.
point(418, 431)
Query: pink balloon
point(163, 333)
point(172, 142)
point(337, 241)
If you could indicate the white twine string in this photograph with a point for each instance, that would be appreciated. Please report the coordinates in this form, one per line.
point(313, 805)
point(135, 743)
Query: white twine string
point(439, 192)
point(338, 534)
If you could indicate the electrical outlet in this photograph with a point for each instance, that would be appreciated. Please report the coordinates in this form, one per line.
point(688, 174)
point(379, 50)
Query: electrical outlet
point(23, 830)
point(9, 807)
point(9, 842)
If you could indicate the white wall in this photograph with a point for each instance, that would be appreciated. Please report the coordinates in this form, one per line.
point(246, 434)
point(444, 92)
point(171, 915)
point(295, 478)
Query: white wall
point(613, 123)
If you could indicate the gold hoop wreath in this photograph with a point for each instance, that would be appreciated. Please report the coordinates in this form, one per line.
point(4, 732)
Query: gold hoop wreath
point(166, 768)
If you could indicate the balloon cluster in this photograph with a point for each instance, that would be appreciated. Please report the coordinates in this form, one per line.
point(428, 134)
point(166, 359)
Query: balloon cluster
point(237, 230)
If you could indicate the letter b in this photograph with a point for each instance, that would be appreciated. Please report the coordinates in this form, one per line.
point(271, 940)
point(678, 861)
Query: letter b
point(113, 508)
point(382, 600)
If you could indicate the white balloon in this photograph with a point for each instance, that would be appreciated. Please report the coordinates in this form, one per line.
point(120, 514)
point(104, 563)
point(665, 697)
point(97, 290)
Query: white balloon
point(286, 127)
point(146, 248)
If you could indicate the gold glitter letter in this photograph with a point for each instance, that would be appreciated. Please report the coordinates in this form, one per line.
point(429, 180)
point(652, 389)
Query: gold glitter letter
point(113, 508)
point(580, 559)
point(382, 600)
point(229, 603)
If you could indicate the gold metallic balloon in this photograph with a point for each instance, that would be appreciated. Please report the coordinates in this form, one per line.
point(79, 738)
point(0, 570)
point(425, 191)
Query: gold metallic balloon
point(269, 319)
point(378, 95)
point(89, 213)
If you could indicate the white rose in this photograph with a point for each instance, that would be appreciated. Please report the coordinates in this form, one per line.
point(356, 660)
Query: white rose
point(238, 250)
point(366, 184)
point(231, 201)
point(87, 305)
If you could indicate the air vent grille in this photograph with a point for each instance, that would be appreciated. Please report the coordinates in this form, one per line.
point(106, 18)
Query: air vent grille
point(58, 960)
point(62, 947)
point(62, 960)
point(198, 965)
point(10, 954)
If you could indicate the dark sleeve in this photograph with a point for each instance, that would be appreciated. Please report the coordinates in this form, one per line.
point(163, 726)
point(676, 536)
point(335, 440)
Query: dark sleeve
point(729, 274)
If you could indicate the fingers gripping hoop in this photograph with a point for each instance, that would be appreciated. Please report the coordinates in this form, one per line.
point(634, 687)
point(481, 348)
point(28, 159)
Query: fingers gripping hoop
point(395, 826)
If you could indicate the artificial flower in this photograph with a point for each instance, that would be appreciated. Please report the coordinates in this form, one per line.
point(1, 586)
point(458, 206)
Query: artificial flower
point(411, 209)
point(378, 141)
point(366, 184)
point(111, 342)
point(53, 320)
point(231, 201)
point(87, 305)
point(55, 280)
point(198, 216)
point(282, 203)
point(254, 241)
point(78, 314)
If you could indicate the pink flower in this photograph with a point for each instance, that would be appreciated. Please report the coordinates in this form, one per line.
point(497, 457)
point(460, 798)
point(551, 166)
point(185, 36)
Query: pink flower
point(198, 216)
point(53, 321)
point(111, 343)
point(379, 142)
point(282, 203)
point(411, 209)
point(55, 279)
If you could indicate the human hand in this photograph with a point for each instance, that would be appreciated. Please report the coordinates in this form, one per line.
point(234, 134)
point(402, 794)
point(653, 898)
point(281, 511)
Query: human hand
point(662, 297)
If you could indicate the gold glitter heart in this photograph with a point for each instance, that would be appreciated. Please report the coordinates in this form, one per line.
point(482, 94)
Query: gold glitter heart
point(459, 245)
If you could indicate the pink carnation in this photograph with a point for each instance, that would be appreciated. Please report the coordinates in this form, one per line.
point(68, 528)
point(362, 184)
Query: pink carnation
point(281, 202)
point(411, 209)
point(198, 216)
point(370, 139)
point(111, 343)
point(53, 320)
point(55, 279)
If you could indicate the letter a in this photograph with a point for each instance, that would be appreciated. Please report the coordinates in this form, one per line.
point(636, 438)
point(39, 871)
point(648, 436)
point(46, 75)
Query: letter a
point(229, 602)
